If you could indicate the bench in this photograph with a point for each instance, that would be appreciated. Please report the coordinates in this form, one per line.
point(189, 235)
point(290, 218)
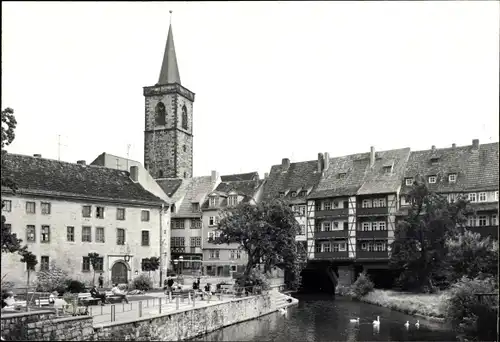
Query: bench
point(42, 302)
point(87, 299)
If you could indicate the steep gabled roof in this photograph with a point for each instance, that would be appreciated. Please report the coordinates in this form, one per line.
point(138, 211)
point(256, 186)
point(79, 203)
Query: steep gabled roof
point(240, 177)
point(476, 168)
point(196, 188)
point(300, 175)
point(169, 185)
point(57, 178)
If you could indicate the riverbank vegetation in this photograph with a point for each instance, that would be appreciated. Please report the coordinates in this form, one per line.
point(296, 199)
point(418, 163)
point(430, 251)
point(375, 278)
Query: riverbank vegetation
point(443, 267)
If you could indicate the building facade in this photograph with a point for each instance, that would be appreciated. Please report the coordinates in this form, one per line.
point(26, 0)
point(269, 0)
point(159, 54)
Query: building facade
point(225, 259)
point(64, 211)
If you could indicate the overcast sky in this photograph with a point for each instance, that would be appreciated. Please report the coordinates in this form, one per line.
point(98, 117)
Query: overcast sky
point(272, 80)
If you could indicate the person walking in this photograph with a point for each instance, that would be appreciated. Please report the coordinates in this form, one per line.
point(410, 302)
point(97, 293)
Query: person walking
point(101, 281)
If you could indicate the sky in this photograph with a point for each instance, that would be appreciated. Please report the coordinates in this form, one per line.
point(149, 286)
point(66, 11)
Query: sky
point(272, 80)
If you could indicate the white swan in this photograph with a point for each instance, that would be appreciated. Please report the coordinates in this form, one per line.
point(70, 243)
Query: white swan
point(354, 320)
point(377, 322)
point(282, 311)
point(407, 324)
point(417, 324)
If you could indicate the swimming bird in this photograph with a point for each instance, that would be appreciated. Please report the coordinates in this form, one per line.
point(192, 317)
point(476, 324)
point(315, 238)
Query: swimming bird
point(354, 320)
point(377, 322)
point(407, 324)
point(417, 324)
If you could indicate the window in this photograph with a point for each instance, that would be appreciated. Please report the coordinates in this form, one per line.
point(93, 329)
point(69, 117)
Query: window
point(145, 215)
point(177, 241)
point(326, 226)
point(196, 224)
point(30, 207)
point(178, 224)
point(99, 234)
point(335, 247)
point(7, 205)
point(382, 225)
point(346, 225)
point(99, 212)
point(472, 197)
point(403, 200)
point(342, 175)
point(30, 233)
point(432, 179)
point(196, 241)
point(31, 267)
point(160, 114)
point(238, 254)
point(482, 197)
point(232, 200)
point(86, 211)
point(434, 160)
point(45, 234)
point(317, 247)
point(213, 201)
point(317, 228)
point(374, 226)
point(326, 247)
point(213, 221)
point(302, 229)
point(303, 193)
point(99, 264)
point(233, 254)
point(367, 226)
point(471, 221)
point(86, 234)
point(45, 208)
point(337, 226)
point(483, 221)
point(214, 254)
point(452, 177)
point(366, 203)
point(363, 246)
point(184, 148)
point(160, 173)
point(379, 246)
point(44, 265)
point(86, 264)
point(342, 247)
point(387, 169)
point(409, 181)
point(184, 118)
point(70, 234)
point(335, 204)
point(317, 206)
point(120, 214)
point(379, 203)
point(302, 210)
point(120, 236)
point(327, 205)
point(145, 238)
point(294, 194)
point(494, 221)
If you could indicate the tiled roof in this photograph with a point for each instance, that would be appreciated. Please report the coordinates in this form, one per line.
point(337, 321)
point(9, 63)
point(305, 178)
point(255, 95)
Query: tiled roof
point(300, 175)
point(476, 169)
point(51, 177)
point(244, 188)
point(240, 177)
point(169, 185)
point(194, 188)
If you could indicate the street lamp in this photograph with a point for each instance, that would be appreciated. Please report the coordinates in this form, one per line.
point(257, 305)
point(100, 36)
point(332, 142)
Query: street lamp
point(181, 258)
point(175, 264)
point(127, 257)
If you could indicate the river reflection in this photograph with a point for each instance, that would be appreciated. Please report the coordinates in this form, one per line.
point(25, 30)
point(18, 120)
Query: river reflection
point(320, 318)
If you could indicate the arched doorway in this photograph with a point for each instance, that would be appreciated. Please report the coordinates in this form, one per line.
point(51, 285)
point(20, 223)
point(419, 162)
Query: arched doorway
point(119, 273)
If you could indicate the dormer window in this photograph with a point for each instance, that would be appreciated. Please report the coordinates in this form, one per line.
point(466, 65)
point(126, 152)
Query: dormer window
point(303, 193)
point(387, 169)
point(452, 177)
point(342, 175)
point(409, 181)
point(232, 200)
point(195, 207)
point(213, 201)
point(432, 179)
point(434, 160)
point(294, 194)
point(282, 195)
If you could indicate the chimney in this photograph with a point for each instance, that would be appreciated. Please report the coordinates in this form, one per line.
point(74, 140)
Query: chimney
point(321, 162)
point(215, 176)
point(372, 156)
point(433, 147)
point(81, 162)
point(134, 173)
point(475, 144)
point(453, 145)
point(37, 155)
point(266, 175)
point(285, 162)
point(326, 161)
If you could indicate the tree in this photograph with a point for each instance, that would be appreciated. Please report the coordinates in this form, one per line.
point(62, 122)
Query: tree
point(30, 260)
point(471, 255)
point(419, 248)
point(150, 264)
point(93, 259)
point(266, 232)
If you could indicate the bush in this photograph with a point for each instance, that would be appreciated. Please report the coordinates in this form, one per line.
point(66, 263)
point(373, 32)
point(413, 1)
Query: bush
point(75, 286)
point(362, 286)
point(54, 279)
point(468, 315)
point(141, 282)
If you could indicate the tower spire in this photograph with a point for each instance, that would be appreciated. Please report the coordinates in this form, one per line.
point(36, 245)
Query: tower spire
point(169, 69)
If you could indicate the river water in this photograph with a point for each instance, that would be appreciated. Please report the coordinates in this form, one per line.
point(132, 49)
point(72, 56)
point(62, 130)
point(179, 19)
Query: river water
point(322, 318)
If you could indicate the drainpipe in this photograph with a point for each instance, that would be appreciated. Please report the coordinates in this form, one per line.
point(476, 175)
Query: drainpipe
point(161, 245)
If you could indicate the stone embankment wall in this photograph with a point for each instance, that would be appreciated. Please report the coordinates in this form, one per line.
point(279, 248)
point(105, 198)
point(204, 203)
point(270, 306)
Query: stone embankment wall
point(45, 326)
point(188, 323)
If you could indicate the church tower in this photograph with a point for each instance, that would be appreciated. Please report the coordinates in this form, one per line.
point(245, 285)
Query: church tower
point(168, 133)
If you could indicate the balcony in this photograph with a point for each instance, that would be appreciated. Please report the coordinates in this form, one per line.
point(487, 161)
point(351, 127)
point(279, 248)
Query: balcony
point(372, 234)
point(331, 255)
point(485, 231)
point(372, 255)
point(343, 212)
point(371, 211)
point(331, 234)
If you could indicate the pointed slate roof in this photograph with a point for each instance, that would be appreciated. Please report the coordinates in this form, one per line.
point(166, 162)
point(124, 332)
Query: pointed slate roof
point(240, 177)
point(192, 190)
point(169, 69)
